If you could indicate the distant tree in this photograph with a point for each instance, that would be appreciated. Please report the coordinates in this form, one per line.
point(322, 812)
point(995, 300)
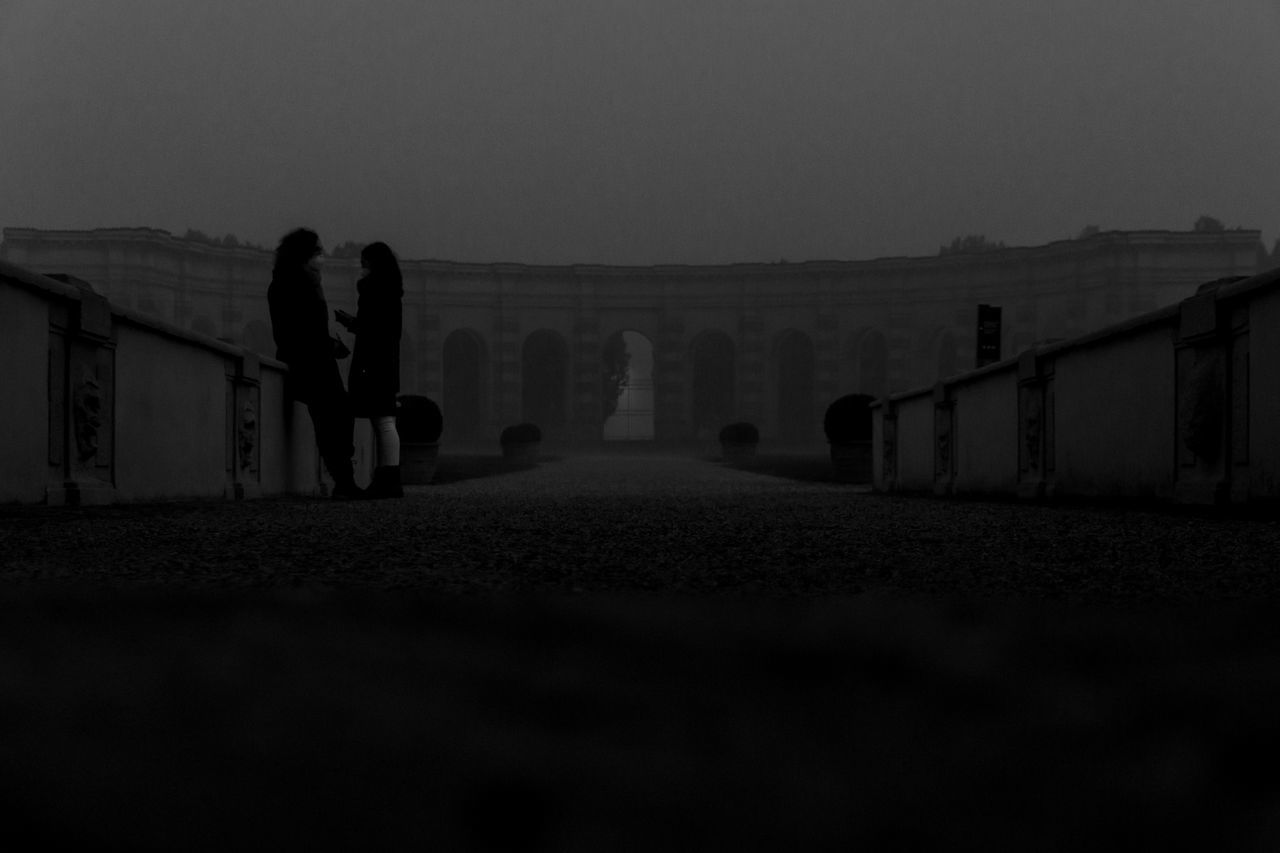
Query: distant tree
point(1208, 225)
point(616, 372)
point(347, 249)
point(231, 241)
point(196, 236)
point(970, 244)
point(1088, 231)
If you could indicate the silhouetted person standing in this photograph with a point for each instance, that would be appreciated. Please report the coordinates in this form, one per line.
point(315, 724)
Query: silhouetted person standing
point(375, 364)
point(300, 324)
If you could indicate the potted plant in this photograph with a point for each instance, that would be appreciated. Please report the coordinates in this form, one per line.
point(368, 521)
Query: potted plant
point(520, 443)
point(738, 442)
point(847, 424)
point(419, 423)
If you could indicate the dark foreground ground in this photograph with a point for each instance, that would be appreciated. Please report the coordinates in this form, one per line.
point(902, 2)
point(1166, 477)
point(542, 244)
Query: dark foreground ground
point(639, 653)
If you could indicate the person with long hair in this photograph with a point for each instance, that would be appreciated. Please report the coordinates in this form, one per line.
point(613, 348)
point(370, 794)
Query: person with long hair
point(374, 380)
point(300, 325)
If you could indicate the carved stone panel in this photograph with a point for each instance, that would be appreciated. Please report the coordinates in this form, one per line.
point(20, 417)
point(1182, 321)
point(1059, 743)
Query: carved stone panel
point(1201, 403)
point(944, 442)
point(889, 446)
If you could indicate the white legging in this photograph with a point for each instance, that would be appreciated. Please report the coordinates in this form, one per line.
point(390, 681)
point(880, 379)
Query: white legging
point(384, 430)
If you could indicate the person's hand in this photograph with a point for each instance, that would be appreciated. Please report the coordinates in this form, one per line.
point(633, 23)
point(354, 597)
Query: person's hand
point(340, 350)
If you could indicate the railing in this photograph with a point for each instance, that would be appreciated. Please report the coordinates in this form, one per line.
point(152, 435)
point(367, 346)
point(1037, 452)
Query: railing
point(104, 404)
point(1182, 404)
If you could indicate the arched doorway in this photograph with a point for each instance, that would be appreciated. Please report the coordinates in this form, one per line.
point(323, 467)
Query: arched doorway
point(795, 388)
point(464, 372)
point(628, 387)
point(544, 385)
point(714, 378)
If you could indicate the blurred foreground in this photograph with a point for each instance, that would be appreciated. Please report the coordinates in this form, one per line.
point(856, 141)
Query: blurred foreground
point(638, 653)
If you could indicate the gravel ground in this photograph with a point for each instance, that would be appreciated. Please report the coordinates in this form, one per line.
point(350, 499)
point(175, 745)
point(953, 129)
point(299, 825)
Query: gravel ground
point(638, 653)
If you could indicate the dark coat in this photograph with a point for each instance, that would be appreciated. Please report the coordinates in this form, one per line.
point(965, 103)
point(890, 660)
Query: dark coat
point(374, 380)
point(300, 325)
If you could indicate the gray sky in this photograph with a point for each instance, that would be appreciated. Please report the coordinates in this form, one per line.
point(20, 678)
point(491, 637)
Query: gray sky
point(641, 131)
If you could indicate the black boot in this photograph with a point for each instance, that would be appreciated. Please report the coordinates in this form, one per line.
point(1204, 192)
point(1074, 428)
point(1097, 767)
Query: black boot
point(386, 483)
point(344, 483)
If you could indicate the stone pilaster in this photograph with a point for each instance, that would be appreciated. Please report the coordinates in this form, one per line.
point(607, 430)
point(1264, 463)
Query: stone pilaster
point(586, 409)
point(671, 401)
point(243, 427)
point(944, 440)
point(752, 393)
point(506, 368)
point(1035, 425)
point(81, 401)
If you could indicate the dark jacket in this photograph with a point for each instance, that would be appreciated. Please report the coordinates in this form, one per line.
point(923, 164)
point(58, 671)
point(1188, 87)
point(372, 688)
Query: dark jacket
point(374, 380)
point(300, 325)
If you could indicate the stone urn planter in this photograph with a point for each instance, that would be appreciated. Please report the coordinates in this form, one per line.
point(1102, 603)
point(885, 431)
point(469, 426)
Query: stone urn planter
point(520, 443)
point(847, 425)
point(738, 443)
point(419, 423)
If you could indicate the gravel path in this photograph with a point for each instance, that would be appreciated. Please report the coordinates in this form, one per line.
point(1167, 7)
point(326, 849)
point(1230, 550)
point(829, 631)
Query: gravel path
point(638, 653)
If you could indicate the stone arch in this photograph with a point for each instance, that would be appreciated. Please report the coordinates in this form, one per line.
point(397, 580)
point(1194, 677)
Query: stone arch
point(544, 380)
point(463, 401)
point(873, 364)
point(794, 380)
point(633, 415)
point(202, 325)
point(714, 380)
point(257, 337)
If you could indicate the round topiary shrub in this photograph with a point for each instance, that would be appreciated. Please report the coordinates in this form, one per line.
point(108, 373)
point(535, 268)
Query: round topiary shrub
point(738, 442)
point(525, 433)
point(419, 423)
point(418, 419)
point(520, 443)
point(739, 433)
point(848, 419)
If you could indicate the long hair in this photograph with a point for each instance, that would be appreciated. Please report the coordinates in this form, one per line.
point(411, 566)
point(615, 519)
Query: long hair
point(382, 264)
point(295, 249)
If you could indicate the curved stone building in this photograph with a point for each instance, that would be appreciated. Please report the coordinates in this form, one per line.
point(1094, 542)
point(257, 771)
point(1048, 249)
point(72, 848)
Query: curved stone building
point(768, 343)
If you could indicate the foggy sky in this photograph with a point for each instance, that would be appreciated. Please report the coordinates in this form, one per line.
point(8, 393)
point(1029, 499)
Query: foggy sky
point(640, 131)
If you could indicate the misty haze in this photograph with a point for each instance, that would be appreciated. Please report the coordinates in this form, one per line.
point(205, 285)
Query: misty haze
point(592, 425)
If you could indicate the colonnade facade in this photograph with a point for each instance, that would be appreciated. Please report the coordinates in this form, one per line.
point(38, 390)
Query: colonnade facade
point(772, 344)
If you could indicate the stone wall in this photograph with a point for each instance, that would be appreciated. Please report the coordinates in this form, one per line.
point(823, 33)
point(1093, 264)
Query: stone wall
point(106, 404)
point(1180, 404)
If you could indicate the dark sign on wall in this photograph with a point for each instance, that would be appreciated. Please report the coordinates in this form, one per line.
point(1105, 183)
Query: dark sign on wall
point(988, 334)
